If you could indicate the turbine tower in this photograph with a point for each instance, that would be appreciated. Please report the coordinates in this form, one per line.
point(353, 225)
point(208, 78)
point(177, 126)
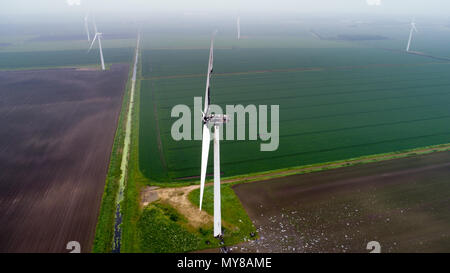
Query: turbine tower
point(413, 28)
point(216, 121)
point(239, 28)
point(98, 36)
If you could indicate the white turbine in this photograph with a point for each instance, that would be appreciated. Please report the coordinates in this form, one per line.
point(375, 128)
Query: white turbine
point(99, 37)
point(413, 28)
point(239, 28)
point(86, 26)
point(216, 121)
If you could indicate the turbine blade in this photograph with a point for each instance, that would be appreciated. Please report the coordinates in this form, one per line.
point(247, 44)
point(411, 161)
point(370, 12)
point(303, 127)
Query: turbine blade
point(211, 54)
point(93, 41)
point(205, 152)
point(207, 94)
point(86, 26)
point(413, 25)
point(208, 77)
point(95, 25)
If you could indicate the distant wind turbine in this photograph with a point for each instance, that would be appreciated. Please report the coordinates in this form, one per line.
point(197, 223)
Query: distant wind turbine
point(99, 37)
point(413, 28)
point(216, 121)
point(239, 28)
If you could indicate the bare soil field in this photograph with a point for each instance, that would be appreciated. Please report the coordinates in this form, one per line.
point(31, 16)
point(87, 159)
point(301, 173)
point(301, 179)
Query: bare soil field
point(404, 204)
point(57, 130)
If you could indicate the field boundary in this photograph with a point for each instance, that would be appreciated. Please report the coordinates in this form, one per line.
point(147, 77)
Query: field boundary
point(261, 176)
point(131, 210)
point(104, 232)
point(322, 166)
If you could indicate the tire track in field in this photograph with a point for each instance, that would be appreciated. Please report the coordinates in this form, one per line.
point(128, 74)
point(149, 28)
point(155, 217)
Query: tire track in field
point(294, 80)
point(333, 130)
point(345, 114)
point(370, 90)
point(298, 69)
point(345, 102)
point(293, 87)
point(359, 101)
point(235, 73)
point(338, 130)
point(158, 133)
point(365, 126)
point(301, 96)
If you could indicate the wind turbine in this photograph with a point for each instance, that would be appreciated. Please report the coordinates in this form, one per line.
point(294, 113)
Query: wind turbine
point(239, 28)
point(86, 26)
point(99, 37)
point(413, 28)
point(216, 121)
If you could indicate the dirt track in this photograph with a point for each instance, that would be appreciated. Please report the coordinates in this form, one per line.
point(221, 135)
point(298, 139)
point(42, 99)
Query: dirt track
point(56, 136)
point(177, 198)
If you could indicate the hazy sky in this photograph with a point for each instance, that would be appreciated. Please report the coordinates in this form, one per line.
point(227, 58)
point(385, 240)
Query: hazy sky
point(416, 7)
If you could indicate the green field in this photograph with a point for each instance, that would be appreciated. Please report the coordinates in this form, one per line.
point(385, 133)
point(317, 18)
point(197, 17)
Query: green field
point(360, 101)
point(159, 63)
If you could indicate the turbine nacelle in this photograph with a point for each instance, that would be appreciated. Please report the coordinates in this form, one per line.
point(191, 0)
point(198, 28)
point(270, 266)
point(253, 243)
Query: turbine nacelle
point(98, 35)
point(413, 26)
point(216, 119)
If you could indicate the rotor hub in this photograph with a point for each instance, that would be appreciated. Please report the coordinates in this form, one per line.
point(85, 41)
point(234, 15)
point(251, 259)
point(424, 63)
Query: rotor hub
point(216, 119)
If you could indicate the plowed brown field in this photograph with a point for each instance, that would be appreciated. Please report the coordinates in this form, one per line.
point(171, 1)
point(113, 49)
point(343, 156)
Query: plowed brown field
point(57, 130)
